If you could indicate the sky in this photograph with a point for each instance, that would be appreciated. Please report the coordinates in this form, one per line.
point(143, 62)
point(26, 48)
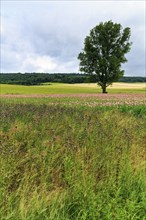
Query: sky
point(47, 36)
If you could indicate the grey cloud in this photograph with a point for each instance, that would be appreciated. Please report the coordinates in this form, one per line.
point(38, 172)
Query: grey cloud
point(54, 32)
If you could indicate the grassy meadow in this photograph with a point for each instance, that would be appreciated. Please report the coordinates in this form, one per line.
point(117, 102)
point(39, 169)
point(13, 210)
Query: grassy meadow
point(72, 157)
point(61, 88)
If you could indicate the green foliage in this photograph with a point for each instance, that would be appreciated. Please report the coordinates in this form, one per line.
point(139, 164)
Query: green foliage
point(132, 79)
point(38, 78)
point(61, 163)
point(104, 52)
point(30, 79)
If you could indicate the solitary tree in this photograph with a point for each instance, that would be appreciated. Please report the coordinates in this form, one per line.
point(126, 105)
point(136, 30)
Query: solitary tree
point(104, 52)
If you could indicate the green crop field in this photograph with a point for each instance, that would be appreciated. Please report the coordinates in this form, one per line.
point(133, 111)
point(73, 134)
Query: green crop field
point(60, 88)
point(69, 152)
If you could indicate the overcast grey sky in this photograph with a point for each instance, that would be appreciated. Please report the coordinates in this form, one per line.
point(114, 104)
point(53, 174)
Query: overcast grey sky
point(47, 36)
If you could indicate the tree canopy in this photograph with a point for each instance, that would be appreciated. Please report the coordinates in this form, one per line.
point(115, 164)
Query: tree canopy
point(104, 52)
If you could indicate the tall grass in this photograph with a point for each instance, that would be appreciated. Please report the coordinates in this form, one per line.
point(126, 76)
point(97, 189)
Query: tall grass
point(61, 163)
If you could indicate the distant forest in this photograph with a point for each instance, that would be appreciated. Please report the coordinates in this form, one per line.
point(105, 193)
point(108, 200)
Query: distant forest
point(39, 78)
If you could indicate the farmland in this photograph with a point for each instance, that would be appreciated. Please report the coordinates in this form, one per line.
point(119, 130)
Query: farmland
point(62, 88)
point(69, 152)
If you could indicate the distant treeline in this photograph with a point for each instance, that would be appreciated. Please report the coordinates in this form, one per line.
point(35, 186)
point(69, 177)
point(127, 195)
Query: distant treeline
point(38, 78)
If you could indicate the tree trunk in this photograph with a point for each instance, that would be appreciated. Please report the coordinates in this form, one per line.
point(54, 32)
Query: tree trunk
point(104, 89)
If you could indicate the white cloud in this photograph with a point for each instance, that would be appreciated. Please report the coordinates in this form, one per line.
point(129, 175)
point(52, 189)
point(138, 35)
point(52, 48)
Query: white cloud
point(48, 35)
point(39, 63)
